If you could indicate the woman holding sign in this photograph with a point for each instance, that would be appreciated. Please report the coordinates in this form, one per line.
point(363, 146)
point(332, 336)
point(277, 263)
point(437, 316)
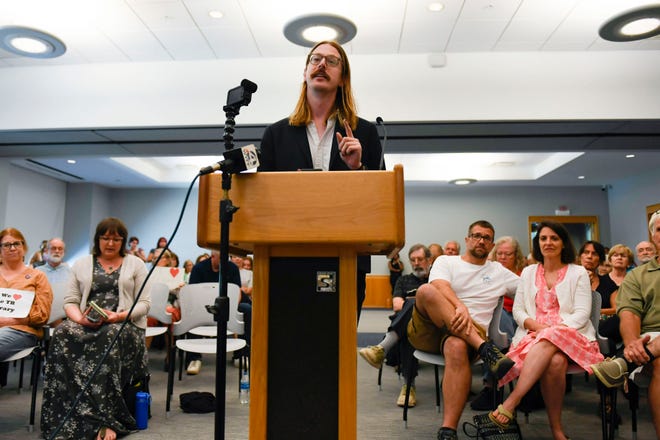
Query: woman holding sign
point(20, 323)
point(103, 288)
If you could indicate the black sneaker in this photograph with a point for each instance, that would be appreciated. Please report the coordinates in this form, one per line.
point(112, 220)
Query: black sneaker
point(447, 434)
point(496, 362)
point(483, 401)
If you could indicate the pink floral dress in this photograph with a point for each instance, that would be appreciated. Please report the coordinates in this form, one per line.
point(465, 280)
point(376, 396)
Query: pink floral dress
point(576, 346)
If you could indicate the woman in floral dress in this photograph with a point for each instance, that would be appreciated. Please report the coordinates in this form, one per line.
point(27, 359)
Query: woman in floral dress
point(553, 311)
point(112, 279)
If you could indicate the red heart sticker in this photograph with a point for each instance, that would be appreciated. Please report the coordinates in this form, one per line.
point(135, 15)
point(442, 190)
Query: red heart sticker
point(174, 271)
point(17, 296)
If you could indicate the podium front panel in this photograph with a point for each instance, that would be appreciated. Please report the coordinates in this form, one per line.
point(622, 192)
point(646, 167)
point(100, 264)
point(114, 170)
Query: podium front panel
point(303, 348)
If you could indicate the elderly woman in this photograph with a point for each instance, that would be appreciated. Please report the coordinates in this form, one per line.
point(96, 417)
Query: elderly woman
point(18, 333)
point(552, 308)
point(112, 279)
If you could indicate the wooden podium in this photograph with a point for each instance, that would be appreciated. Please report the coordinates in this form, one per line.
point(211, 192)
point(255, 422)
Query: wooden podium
point(305, 230)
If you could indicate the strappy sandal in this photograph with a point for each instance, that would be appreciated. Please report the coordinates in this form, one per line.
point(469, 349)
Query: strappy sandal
point(503, 411)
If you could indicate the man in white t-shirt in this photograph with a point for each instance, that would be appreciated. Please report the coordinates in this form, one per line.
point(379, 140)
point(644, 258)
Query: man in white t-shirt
point(453, 312)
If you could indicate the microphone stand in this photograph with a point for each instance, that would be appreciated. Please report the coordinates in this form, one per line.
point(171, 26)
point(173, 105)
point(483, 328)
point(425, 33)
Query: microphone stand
point(220, 309)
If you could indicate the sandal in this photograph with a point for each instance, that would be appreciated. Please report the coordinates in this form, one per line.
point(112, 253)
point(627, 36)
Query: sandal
point(503, 411)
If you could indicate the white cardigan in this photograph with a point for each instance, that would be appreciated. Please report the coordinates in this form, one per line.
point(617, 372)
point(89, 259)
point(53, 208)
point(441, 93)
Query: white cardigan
point(131, 276)
point(573, 295)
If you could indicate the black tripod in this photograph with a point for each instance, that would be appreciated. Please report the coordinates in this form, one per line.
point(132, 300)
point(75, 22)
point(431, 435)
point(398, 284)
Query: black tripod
point(236, 97)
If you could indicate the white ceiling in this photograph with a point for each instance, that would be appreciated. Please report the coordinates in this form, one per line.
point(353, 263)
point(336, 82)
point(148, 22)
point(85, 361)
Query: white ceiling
point(100, 32)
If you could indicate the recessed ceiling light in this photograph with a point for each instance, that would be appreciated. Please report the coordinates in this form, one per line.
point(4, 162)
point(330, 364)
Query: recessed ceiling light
point(310, 29)
point(71, 161)
point(435, 7)
point(581, 177)
point(319, 33)
point(629, 156)
point(635, 24)
point(462, 181)
point(216, 14)
point(31, 43)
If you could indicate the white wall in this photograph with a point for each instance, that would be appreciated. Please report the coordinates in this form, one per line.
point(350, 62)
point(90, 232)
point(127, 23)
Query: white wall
point(628, 201)
point(35, 206)
point(472, 86)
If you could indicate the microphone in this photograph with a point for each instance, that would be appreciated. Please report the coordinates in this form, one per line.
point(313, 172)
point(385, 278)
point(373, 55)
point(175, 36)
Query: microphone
point(379, 121)
point(235, 161)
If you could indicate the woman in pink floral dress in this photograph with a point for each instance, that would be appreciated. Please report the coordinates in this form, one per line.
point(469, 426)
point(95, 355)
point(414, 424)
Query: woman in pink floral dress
point(553, 309)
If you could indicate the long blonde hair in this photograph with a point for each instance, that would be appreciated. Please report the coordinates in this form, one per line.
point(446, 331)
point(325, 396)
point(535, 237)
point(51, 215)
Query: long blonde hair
point(345, 108)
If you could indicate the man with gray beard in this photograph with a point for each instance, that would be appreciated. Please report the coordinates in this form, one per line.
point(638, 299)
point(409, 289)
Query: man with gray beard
point(56, 270)
point(403, 298)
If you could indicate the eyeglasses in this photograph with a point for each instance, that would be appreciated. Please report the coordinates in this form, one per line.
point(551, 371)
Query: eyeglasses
point(14, 244)
point(112, 239)
point(504, 254)
point(477, 237)
point(330, 60)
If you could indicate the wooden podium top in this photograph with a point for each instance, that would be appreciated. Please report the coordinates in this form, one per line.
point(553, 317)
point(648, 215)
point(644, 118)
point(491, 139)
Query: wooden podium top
point(363, 209)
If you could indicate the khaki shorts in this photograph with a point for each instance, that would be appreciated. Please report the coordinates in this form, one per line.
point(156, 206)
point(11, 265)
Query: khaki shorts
point(424, 335)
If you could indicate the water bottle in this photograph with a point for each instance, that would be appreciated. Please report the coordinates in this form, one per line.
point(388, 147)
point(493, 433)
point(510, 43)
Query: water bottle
point(245, 388)
point(142, 402)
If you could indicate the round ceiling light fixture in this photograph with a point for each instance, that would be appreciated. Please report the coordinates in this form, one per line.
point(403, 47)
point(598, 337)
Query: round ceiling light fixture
point(31, 43)
point(632, 25)
point(308, 30)
point(462, 181)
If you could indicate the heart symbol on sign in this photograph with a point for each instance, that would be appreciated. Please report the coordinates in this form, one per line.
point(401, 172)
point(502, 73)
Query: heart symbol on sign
point(17, 296)
point(174, 271)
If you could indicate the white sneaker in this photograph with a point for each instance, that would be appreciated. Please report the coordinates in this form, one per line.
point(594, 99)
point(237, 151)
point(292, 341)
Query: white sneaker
point(194, 367)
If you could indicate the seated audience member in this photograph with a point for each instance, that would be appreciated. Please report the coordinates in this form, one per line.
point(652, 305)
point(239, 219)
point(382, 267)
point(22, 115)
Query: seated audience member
point(638, 308)
point(645, 252)
point(247, 263)
point(245, 306)
point(553, 311)
point(436, 251)
point(134, 250)
point(452, 314)
point(208, 271)
point(396, 336)
point(506, 252)
point(112, 279)
point(155, 252)
point(187, 268)
point(37, 259)
point(452, 248)
point(202, 257)
point(57, 271)
point(395, 266)
point(17, 334)
point(620, 256)
point(605, 267)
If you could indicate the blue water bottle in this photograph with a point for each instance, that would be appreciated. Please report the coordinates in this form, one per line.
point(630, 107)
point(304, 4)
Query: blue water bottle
point(142, 402)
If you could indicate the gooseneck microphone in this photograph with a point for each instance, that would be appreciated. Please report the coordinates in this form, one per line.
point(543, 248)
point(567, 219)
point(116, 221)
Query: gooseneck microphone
point(236, 160)
point(379, 121)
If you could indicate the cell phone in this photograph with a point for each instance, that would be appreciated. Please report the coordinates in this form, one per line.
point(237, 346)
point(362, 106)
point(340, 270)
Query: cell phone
point(95, 313)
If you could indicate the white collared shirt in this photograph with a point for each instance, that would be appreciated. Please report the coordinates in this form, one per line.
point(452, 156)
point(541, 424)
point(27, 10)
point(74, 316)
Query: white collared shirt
point(321, 148)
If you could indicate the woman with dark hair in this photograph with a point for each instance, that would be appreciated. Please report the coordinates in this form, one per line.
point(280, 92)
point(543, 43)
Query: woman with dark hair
point(112, 280)
point(552, 308)
point(16, 333)
point(591, 255)
point(155, 252)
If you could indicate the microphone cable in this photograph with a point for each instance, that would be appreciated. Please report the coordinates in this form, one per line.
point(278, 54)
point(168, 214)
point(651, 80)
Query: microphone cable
point(86, 385)
point(379, 121)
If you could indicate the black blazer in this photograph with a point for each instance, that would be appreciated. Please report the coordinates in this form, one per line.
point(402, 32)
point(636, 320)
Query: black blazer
point(285, 148)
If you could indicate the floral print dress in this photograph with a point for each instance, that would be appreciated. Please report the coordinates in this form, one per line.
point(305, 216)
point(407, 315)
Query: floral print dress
point(575, 345)
point(74, 354)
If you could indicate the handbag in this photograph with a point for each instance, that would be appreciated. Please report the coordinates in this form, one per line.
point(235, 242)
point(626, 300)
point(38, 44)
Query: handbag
point(484, 428)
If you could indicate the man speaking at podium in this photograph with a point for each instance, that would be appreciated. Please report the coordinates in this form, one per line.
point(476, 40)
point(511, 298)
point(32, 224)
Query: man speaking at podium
point(324, 132)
